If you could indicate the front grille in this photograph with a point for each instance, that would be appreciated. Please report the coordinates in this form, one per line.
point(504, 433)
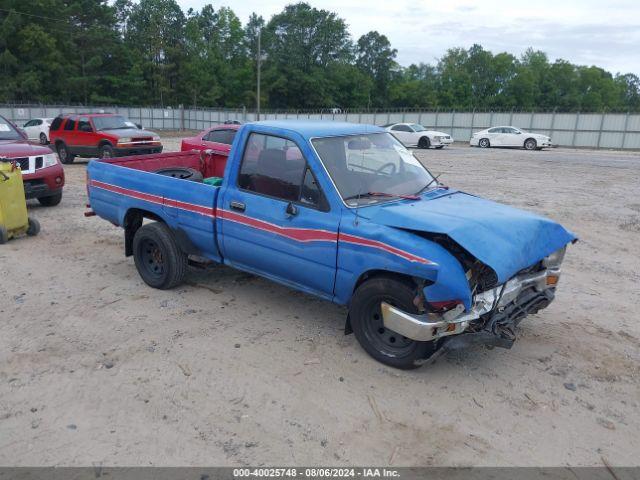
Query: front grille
point(39, 161)
point(22, 162)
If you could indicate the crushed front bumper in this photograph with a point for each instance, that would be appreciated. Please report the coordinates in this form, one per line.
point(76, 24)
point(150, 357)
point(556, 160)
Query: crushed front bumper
point(495, 312)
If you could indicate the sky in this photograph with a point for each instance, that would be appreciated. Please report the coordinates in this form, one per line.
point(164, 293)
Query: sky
point(585, 32)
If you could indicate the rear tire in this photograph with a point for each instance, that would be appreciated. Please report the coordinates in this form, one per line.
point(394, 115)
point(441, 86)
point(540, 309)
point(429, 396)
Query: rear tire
point(530, 144)
point(159, 260)
point(43, 139)
point(63, 152)
point(424, 142)
point(484, 143)
point(34, 227)
point(382, 344)
point(50, 201)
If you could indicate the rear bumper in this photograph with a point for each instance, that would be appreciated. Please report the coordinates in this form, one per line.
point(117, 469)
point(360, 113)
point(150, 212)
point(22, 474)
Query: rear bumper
point(137, 150)
point(44, 182)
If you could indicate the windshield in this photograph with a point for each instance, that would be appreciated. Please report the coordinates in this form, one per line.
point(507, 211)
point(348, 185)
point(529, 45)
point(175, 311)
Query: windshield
point(7, 132)
point(362, 165)
point(111, 122)
point(418, 128)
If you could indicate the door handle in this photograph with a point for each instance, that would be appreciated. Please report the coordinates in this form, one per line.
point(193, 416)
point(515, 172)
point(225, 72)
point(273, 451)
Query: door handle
point(239, 206)
point(291, 210)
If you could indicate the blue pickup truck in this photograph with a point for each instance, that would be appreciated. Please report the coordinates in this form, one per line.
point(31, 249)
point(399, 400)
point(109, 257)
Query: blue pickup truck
point(344, 212)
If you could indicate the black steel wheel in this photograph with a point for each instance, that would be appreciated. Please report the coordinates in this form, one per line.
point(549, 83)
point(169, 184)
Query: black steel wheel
point(159, 260)
point(385, 345)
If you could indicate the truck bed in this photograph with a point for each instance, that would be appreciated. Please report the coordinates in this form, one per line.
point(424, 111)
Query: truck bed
point(119, 187)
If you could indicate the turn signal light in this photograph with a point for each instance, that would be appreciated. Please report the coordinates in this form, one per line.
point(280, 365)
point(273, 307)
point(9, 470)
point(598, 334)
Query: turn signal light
point(552, 280)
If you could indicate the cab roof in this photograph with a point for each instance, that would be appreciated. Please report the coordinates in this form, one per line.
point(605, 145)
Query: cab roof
point(318, 128)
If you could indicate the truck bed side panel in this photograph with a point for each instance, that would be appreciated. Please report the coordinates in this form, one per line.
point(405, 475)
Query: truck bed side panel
point(186, 207)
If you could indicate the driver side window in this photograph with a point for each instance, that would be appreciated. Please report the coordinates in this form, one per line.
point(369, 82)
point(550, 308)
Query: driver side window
point(275, 167)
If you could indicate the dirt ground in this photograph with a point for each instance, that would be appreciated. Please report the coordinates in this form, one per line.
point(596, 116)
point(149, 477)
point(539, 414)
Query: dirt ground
point(230, 369)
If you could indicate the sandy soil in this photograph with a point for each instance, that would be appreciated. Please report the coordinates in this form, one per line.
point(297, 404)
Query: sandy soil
point(230, 369)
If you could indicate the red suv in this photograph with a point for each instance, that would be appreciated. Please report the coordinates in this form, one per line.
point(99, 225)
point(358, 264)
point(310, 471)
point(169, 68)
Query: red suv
point(42, 173)
point(101, 135)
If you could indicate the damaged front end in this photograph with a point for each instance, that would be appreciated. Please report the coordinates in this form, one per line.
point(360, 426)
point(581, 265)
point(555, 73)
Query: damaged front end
point(494, 314)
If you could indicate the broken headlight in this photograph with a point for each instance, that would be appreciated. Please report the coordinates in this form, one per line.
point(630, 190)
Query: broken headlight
point(555, 259)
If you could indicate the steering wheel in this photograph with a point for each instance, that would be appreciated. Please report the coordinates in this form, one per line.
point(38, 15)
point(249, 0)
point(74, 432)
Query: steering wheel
point(390, 164)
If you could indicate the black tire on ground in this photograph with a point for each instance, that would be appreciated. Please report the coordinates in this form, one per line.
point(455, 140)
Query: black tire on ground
point(4, 236)
point(424, 142)
point(34, 227)
point(384, 345)
point(182, 173)
point(63, 152)
point(159, 260)
point(51, 200)
point(43, 139)
point(106, 151)
point(484, 143)
point(530, 144)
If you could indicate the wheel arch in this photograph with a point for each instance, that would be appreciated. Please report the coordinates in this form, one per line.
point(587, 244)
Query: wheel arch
point(104, 141)
point(529, 138)
point(405, 278)
point(133, 220)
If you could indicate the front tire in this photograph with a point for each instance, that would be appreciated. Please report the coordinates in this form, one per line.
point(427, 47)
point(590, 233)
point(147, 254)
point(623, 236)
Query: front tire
point(384, 345)
point(424, 142)
point(484, 143)
point(530, 144)
point(43, 139)
point(63, 152)
point(159, 260)
point(50, 201)
point(106, 151)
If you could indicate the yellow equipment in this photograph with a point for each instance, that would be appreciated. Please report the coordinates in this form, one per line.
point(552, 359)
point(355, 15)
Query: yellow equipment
point(14, 220)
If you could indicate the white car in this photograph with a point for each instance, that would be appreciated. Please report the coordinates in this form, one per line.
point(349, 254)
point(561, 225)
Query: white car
point(38, 129)
point(509, 137)
point(415, 135)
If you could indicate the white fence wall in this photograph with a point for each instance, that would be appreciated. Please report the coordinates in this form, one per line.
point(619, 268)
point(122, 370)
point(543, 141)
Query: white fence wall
point(591, 130)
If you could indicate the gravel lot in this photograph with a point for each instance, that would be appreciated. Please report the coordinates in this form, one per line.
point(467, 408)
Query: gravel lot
point(97, 368)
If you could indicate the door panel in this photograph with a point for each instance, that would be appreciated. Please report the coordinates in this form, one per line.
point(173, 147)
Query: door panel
point(299, 249)
point(267, 224)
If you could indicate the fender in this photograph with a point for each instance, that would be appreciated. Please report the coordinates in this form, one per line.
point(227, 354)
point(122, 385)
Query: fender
point(368, 247)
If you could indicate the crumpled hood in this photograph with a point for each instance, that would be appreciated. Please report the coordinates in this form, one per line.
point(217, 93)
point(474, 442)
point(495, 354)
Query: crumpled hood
point(505, 238)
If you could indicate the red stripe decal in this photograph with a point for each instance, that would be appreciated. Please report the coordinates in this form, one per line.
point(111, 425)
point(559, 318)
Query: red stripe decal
point(312, 235)
point(383, 246)
point(298, 234)
point(157, 199)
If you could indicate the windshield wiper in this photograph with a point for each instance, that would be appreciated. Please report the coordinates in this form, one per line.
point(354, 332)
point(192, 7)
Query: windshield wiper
point(381, 194)
point(434, 179)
